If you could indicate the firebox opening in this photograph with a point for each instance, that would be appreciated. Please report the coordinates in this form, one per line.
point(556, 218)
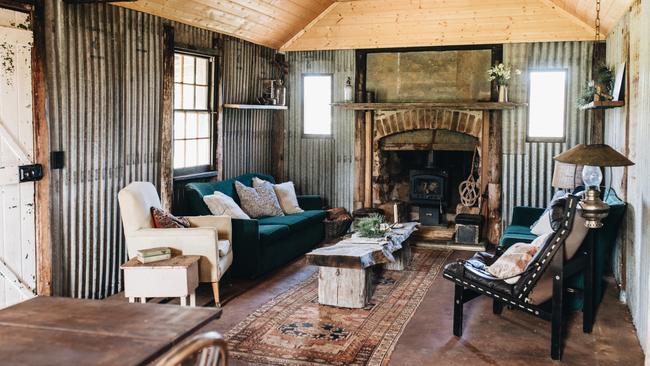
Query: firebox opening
point(425, 179)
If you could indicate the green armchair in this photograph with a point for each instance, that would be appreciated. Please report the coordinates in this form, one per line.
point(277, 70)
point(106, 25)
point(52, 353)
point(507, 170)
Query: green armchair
point(519, 232)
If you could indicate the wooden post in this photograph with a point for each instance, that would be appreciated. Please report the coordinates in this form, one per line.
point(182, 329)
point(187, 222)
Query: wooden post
point(44, 255)
point(367, 191)
point(359, 158)
point(359, 132)
point(494, 179)
point(277, 148)
point(167, 119)
point(597, 115)
point(217, 42)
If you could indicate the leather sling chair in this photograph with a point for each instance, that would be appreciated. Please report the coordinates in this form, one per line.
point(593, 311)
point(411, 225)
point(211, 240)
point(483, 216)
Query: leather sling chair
point(540, 288)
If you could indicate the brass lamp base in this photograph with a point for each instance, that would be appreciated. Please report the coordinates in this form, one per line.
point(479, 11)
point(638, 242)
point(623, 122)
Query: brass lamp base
point(593, 209)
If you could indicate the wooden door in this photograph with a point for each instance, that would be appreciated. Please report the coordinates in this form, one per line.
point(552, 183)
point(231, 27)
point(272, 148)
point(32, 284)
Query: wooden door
point(17, 216)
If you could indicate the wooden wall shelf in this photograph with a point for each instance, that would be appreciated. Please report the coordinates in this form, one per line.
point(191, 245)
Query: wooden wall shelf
point(428, 105)
point(254, 106)
point(603, 105)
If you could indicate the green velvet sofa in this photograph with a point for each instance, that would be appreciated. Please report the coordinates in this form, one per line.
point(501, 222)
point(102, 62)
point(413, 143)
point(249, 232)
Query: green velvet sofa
point(262, 245)
point(524, 217)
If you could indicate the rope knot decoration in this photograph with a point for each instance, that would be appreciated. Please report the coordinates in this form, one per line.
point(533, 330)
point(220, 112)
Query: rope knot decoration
point(469, 188)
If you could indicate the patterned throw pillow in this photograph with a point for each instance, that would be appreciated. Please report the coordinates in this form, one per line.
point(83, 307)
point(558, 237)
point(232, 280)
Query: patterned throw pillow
point(259, 201)
point(286, 194)
point(515, 259)
point(165, 220)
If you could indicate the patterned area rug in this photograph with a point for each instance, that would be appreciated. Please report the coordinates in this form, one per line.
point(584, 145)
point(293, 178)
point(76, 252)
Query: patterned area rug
point(293, 329)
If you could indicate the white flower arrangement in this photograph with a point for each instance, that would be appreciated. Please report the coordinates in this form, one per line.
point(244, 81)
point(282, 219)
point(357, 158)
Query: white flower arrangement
point(501, 73)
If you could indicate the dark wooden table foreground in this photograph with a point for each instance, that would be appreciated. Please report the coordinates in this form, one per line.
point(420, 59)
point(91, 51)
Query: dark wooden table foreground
point(64, 331)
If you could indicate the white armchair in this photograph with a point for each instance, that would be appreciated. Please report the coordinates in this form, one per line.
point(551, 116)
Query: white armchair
point(209, 236)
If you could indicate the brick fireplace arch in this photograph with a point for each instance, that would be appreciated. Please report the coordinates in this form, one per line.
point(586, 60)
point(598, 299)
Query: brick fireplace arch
point(389, 123)
point(393, 122)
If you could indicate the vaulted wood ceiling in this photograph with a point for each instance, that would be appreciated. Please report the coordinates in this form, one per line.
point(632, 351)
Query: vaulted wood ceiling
point(267, 22)
point(293, 25)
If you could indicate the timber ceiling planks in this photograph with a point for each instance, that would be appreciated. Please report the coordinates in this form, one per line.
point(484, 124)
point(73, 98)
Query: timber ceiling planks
point(267, 22)
point(293, 25)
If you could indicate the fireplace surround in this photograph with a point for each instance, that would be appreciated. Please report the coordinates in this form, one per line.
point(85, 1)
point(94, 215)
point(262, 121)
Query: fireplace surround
point(481, 120)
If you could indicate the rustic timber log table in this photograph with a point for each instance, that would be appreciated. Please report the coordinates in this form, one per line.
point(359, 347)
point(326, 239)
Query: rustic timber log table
point(346, 268)
point(65, 331)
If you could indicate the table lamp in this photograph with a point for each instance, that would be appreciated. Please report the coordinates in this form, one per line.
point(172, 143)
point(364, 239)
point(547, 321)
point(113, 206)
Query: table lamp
point(593, 157)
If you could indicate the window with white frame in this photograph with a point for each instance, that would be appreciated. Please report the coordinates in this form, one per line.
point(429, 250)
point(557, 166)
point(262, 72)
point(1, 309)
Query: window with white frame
point(316, 104)
point(192, 113)
point(547, 105)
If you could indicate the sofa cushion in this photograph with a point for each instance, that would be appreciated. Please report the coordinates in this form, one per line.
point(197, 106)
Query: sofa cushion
point(227, 186)
point(296, 222)
point(519, 230)
point(259, 201)
point(272, 233)
point(220, 203)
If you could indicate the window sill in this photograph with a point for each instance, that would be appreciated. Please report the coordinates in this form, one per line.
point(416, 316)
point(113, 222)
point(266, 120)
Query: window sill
point(193, 176)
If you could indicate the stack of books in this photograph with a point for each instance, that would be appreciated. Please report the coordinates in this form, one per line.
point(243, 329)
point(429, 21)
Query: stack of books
point(154, 254)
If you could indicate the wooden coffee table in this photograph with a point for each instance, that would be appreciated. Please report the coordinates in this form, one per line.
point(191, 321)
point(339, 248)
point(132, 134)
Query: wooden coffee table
point(346, 268)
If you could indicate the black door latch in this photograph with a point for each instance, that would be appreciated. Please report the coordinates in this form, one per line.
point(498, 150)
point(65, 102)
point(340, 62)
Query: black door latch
point(30, 173)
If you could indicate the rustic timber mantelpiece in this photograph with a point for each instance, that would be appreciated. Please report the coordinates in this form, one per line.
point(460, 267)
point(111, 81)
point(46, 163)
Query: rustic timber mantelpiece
point(346, 268)
point(481, 120)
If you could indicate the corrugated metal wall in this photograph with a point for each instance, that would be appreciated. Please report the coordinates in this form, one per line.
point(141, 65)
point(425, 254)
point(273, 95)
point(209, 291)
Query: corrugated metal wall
point(528, 166)
point(247, 133)
point(627, 130)
point(323, 166)
point(103, 80)
point(104, 67)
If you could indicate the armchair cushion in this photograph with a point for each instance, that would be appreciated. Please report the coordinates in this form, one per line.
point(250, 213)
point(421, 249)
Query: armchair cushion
point(224, 247)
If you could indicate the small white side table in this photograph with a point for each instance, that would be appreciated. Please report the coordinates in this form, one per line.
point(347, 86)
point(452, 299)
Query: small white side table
point(174, 277)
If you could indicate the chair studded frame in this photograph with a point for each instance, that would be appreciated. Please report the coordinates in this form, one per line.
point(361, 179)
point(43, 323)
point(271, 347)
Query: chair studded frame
point(550, 258)
point(543, 259)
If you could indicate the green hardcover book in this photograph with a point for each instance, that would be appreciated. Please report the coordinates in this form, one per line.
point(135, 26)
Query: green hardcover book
point(154, 252)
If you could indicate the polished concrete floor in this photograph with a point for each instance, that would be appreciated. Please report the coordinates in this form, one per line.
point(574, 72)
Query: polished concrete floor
point(513, 338)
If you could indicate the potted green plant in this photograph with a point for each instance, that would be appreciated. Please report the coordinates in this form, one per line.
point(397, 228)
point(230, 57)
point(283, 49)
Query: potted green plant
point(600, 88)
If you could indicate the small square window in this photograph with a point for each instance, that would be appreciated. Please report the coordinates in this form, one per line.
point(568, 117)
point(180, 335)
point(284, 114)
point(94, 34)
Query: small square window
point(317, 104)
point(547, 105)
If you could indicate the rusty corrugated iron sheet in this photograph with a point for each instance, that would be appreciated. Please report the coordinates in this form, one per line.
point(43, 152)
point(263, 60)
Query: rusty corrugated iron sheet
point(104, 69)
point(528, 166)
point(627, 130)
point(321, 166)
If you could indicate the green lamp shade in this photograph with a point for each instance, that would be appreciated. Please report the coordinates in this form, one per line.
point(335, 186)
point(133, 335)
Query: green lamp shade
point(593, 154)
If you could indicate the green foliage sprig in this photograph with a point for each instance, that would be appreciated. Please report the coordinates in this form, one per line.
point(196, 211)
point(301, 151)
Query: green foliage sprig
point(370, 227)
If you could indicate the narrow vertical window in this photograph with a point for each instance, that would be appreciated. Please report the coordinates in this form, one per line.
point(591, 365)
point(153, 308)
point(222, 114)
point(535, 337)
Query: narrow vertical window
point(192, 113)
point(547, 105)
point(316, 104)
